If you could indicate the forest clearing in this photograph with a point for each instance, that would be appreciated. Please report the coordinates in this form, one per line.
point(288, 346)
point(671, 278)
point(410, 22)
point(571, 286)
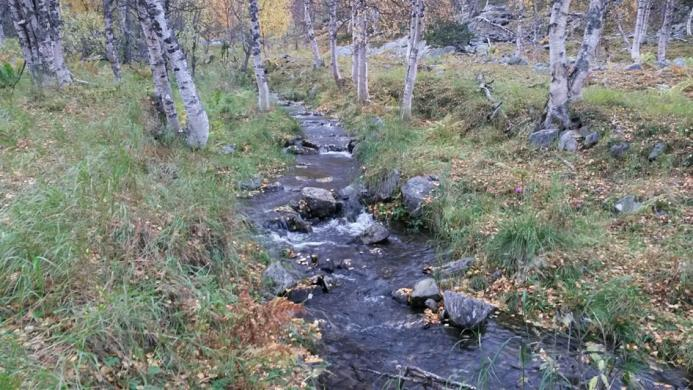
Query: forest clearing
point(346, 194)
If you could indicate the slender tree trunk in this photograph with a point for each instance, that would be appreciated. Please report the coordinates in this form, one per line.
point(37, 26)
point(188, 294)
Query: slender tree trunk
point(125, 24)
point(466, 10)
point(260, 75)
point(162, 84)
point(317, 61)
point(417, 19)
point(557, 109)
point(619, 17)
point(110, 39)
point(2, 34)
point(246, 57)
point(197, 122)
point(641, 21)
point(63, 74)
point(519, 35)
point(362, 85)
point(665, 32)
point(28, 42)
point(689, 24)
point(354, 44)
point(590, 40)
point(333, 42)
point(535, 23)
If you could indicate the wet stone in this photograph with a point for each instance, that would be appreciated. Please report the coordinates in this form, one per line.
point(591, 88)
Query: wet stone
point(454, 268)
point(464, 311)
point(301, 150)
point(317, 203)
point(423, 290)
point(279, 277)
point(252, 184)
point(401, 295)
point(431, 304)
point(416, 191)
point(375, 234)
point(287, 219)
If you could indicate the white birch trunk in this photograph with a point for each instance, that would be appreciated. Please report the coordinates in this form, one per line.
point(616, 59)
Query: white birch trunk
point(665, 32)
point(162, 84)
point(641, 20)
point(412, 26)
point(557, 108)
point(111, 52)
point(197, 125)
point(259, 67)
point(689, 24)
point(2, 35)
point(27, 41)
point(63, 74)
point(519, 35)
point(333, 42)
point(417, 18)
point(317, 61)
point(590, 40)
point(362, 85)
point(354, 44)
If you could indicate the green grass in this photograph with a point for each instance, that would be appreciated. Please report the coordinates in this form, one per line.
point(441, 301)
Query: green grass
point(122, 259)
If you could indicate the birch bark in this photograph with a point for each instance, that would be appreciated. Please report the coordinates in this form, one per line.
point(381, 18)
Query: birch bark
point(417, 18)
point(162, 84)
point(665, 32)
point(362, 85)
point(62, 73)
point(111, 53)
point(590, 40)
point(689, 24)
point(641, 20)
point(197, 125)
point(557, 108)
point(333, 42)
point(519, 34)
point(317, 61)
point(259, 67)
point(354, 44)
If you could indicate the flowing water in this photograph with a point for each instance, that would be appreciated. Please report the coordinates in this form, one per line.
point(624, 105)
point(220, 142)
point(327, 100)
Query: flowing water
point(367, 335)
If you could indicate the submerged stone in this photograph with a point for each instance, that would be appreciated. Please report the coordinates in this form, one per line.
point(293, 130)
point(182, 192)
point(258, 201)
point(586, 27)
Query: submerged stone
point(375, 234)
point(464, 311)
point(423, 290)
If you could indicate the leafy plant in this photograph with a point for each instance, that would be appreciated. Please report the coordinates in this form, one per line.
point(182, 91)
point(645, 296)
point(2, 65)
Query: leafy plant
point(449, 34)
point(9, 75)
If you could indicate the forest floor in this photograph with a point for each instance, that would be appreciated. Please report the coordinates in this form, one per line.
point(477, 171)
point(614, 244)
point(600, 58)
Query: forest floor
point(625, 279)
point(123, 261)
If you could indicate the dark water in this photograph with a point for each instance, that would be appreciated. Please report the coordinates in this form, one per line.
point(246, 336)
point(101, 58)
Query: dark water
point(366, 332)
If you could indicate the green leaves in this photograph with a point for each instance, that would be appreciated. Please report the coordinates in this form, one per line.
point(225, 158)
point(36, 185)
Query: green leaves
point(9, 75)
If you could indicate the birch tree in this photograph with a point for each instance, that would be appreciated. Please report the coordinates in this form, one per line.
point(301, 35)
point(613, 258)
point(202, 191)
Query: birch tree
point(111, 52)
point(37, 24)
point(362, 49)
point(416, 23)
point(259, 67)
point(518, 33)
point(126, 28)
point(354, 44)
point(197, 125)
point(689, 24)
point(332, 4)
point(641, 20)
point(2, 35)
point(162, 84)
point(665, 31)
point(557, 107)
point(317, 61)
point(592, 35)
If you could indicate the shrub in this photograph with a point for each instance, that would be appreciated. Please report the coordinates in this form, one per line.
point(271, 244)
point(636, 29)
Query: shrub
point(449, 34)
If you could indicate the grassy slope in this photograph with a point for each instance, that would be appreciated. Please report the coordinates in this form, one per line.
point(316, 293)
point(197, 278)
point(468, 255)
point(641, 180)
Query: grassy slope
point(122, 260)
point(543, 217)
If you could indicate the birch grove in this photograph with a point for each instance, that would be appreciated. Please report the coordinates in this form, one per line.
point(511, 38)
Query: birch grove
point(641, 21)
point(197, 123)
point(416, 30)
point(37, 24)
point(258, 66)
point(317, 61)
point(665, 31)
point(591, 37)
point(162, 85)
point(111, 52)
point(334, 63)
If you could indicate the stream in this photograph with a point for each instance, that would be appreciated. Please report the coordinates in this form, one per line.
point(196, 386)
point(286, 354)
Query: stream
point(368, 337)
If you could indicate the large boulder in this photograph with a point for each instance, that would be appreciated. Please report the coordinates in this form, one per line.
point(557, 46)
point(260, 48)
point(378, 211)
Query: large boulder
point(317, 203)
point(424, 290)
point(383, 189)
point(415, 192)
point(543, 138)
point(375, 234)
point(279, 277)
point(464, 311)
